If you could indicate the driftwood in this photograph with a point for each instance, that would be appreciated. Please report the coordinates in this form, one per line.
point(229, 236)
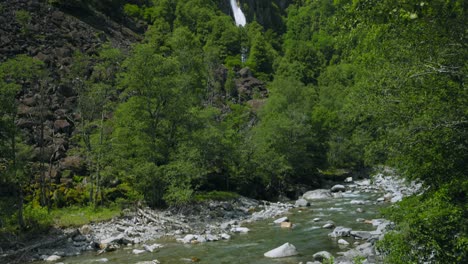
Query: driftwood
point(161, 219)
point(17, 255)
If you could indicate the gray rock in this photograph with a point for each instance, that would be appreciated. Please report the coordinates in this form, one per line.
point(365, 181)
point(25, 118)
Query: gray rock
point(316, 219)
point(317, 194)
point(284, 250)
point(348, 179)
point(281, 220)
point(151, 248)
point(225, 236)
point(53, 258)
point(322, 255)
point(340, 231)
point(328, 225)
point(302, 203)
point(138, 251)
point(361, 234)
point(338, 188)
point(343, 242)
point(240, 230)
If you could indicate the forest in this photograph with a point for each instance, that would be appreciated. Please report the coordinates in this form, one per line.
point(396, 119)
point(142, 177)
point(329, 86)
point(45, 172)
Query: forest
point(342, 85)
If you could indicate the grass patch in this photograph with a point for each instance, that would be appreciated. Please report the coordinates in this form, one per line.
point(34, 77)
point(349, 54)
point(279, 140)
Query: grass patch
point(77, 216)
point(215, 195)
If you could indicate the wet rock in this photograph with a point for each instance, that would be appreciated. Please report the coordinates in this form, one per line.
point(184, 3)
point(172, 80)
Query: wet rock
point(102, 260)
point(317, 194)
point(155, 261)
point(240, 230)
point(348, 180)
point(340, 231)
point(328, 225)
point(280, 220)
point(361, 234)
point(338, 188)
point(225, 236)
point(302, 203)
point(284, 250)
point(53, 258)
point(359, 202)
point(322, 255)
point(286, 225)
point(138, 251)
point(360, 210)
point(151, 248)
point(343, 242)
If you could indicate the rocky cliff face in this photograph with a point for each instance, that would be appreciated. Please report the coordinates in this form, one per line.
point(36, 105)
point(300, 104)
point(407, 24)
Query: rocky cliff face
point(39, 30)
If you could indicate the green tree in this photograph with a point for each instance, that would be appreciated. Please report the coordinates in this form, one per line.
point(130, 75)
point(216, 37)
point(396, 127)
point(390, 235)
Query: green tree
point(15, 156)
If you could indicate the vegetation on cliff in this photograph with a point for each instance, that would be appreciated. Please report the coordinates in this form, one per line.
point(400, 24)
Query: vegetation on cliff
point(351, 84)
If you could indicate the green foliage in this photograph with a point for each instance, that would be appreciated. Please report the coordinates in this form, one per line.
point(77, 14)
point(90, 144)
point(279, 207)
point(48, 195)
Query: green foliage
point(75, 216)
point(23, 18)
point(432, 227)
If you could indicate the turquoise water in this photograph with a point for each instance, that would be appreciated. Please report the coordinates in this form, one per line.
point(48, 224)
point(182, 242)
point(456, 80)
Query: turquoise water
point(307, 236)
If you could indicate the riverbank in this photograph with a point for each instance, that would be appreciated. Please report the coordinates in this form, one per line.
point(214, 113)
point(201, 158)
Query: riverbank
point(220, 220)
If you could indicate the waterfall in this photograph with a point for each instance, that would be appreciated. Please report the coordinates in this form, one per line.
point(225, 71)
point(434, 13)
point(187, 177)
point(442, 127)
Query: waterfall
point(238, 14)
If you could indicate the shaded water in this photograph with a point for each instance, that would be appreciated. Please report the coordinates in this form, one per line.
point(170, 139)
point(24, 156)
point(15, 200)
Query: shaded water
point(307, 236)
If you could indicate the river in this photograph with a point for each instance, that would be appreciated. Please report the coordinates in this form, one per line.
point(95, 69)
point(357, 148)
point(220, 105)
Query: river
point(307, 236)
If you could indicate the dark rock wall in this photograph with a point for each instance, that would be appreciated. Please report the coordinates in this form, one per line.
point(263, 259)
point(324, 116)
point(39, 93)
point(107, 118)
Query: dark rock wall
point(53, 36)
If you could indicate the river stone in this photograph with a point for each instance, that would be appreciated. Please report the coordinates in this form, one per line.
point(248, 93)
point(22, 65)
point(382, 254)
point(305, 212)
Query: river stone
point(362, 234)
point(360, 210)
point(149, 262)
point(138, 251)
point(317, 194)
point(151, 248)
point(348, 180)
point(343, 242)
point(302, 203)
point(225, 236)
point(338, 188)
point(317, 219)
point(53, 258)
point(240, 230)
point(102, 260)
point(284, 250)
point(322, 255)
point(188, 238)
point(281, 220)
point(340, 231)
point(360, 202)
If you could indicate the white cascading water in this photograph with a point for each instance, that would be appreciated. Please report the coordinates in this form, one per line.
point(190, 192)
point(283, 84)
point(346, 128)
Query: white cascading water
point(238, 14)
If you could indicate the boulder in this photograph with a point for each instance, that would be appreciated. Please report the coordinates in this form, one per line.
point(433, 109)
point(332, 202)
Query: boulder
point(286, 225)
point(348, 180)
point(322, 255)
point(340, 231)
point(302, 203)
point(317, 194)
point(338, 188)
point(284, 250)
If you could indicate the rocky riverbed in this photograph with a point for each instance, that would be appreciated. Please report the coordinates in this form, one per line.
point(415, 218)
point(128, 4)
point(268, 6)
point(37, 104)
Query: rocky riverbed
point(139, 228)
